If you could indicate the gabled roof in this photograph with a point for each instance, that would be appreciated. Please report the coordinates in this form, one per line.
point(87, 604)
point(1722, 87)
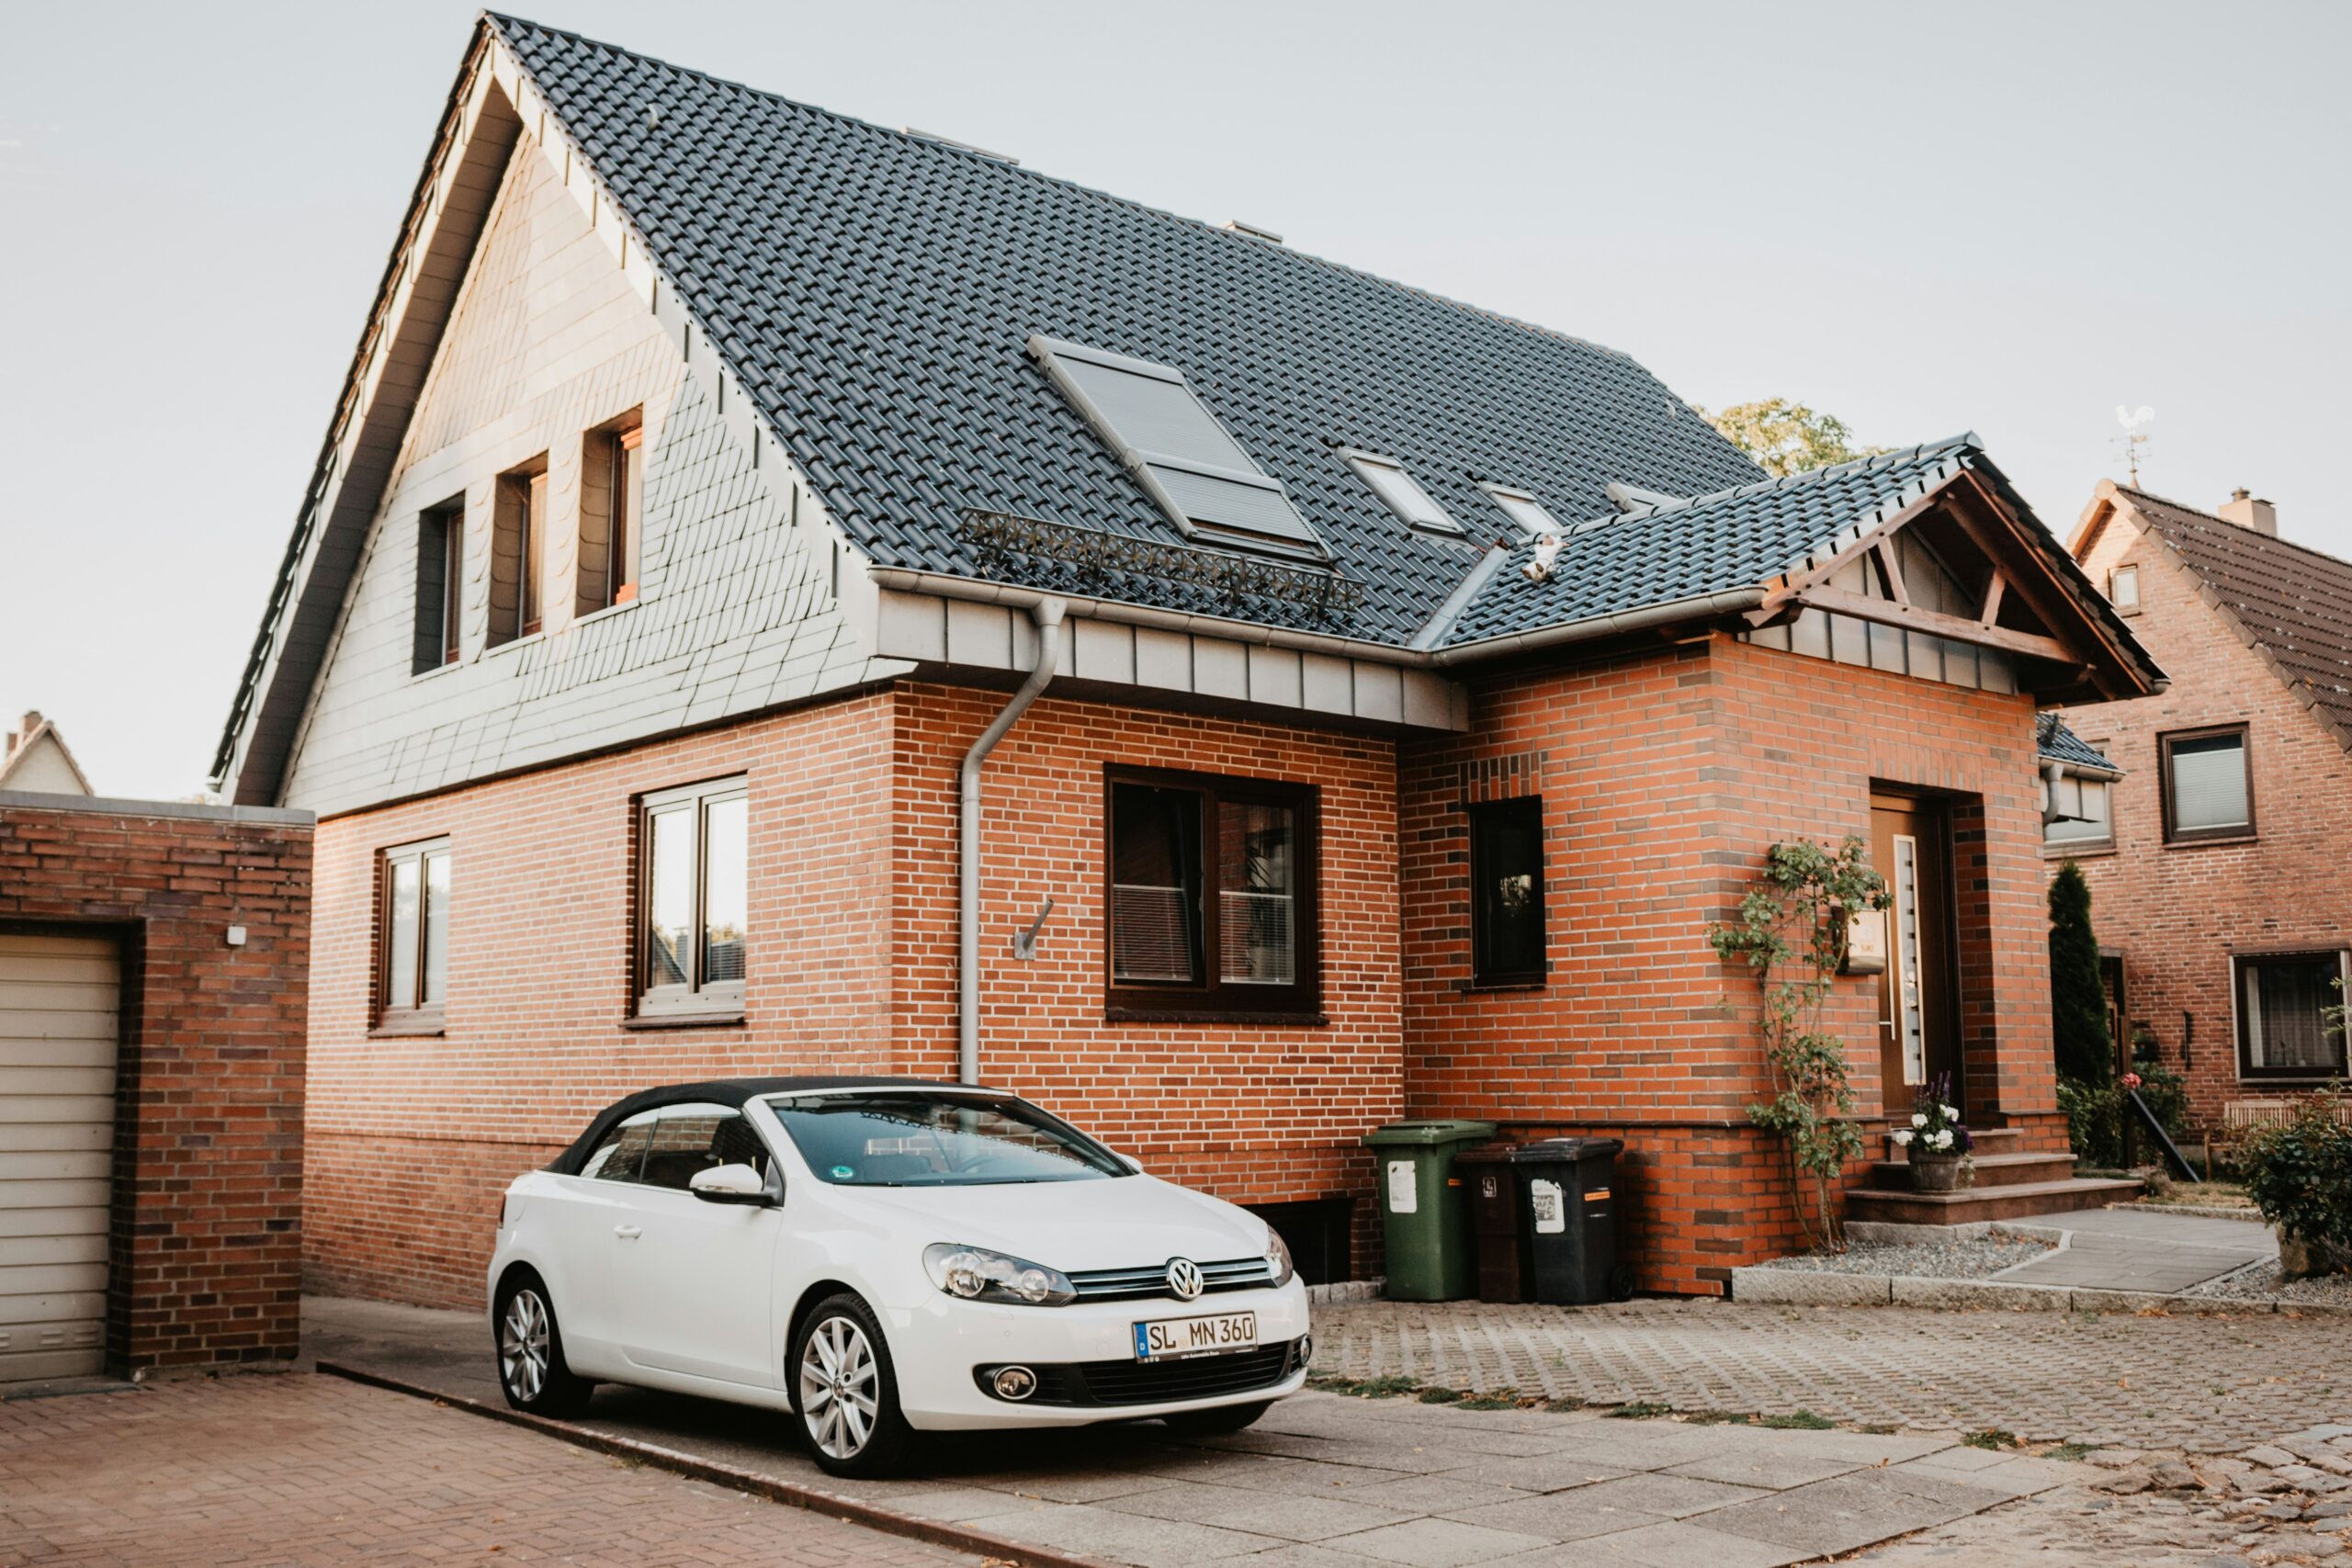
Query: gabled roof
point(2053, 742)
point(2291, 603)
point(24, 752)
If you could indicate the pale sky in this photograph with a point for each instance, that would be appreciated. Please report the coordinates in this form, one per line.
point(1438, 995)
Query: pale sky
point(1922, 218)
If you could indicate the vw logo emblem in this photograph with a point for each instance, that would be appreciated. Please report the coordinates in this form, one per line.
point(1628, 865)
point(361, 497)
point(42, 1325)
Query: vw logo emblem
point(1184, 1277)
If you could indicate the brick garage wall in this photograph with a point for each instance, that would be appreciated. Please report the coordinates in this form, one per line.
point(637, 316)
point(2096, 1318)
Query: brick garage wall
point(206, 1252)
point(1665, 776)
point(2177, 913)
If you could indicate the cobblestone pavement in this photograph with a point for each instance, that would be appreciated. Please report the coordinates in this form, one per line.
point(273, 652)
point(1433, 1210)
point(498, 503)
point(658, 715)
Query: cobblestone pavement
point(2210, 1383)
point(297, 1468)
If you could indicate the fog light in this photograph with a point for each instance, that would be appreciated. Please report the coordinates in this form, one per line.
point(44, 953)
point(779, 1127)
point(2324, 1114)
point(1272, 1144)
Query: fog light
point(1015, 1383)
point(1305, 1349)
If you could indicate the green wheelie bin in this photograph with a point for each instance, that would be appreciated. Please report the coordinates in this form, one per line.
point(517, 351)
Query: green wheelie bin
point(1425, 1214)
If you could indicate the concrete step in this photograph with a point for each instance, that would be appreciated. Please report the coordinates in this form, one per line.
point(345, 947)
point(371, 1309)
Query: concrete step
point(1991, 1170)
point(2022, 1200)
point(1989, 1140)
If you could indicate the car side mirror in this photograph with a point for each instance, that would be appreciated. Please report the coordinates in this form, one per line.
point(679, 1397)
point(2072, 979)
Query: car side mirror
point(728, 1184)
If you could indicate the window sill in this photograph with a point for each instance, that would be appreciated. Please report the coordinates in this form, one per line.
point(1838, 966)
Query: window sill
point(442, 669)
point(715, 1017)
point(1472, 988)
point(2314, 1080)
point(526, 641)
point(2204, 843)
point(417, 1026)
point(1213, 1015)
point(605, 611)
point(2088, 848)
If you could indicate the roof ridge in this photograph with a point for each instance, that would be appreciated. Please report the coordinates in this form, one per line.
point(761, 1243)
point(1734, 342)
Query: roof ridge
point(1966, 438)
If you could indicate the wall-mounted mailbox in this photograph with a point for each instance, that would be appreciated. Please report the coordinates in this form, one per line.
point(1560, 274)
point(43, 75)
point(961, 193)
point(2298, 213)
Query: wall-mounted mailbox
point(1865, 942)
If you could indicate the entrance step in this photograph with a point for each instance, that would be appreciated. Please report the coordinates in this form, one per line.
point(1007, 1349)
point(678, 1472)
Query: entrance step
point(2021, 1200)
point(1991, 1170)
point(1989, 1140)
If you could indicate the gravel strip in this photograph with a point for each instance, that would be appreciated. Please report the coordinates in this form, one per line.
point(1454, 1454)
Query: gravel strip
point(1934, 1260)
point(2261, 1282)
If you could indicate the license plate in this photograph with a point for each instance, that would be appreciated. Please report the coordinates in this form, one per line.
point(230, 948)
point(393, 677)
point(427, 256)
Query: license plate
point(1179, 1338)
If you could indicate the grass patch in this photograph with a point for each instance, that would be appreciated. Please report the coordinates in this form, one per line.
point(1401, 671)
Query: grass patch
point(2069, 1451)
point(1991, 1437)
point(1440, 1397)
point(1563, 1405)
point(1364, 1388)
point(1642, 1410)
point(1801, 1421)
point(1504, 1400)
point(1717, 1417)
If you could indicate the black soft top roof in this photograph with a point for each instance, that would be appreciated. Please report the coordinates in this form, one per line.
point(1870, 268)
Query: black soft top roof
point(731, 1092)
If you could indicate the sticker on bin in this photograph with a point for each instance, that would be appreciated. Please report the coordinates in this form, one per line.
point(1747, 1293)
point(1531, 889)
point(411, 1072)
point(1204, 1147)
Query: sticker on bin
point(1544, 1197)
point(1403, 1193)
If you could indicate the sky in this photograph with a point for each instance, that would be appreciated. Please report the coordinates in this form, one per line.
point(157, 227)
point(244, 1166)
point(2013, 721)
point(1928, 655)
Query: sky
point(2003, 218)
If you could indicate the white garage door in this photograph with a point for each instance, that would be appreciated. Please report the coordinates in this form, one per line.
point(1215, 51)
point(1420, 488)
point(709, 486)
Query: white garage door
point(58, 997)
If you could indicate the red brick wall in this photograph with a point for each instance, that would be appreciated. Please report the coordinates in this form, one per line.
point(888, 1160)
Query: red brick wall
point(2178, 912)
point(1664, 777)
point(849, 969)
point(204, 1257)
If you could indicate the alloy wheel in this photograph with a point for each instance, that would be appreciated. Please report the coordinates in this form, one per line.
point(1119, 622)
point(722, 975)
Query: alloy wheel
point(523, 1345)
point(839, 1388)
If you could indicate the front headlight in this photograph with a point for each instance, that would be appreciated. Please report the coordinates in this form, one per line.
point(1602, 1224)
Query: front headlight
point(976, 1274)
point(1277, 1258)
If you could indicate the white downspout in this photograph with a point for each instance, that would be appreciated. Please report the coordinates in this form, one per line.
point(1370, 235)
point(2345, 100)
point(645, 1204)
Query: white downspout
point(1048, 615)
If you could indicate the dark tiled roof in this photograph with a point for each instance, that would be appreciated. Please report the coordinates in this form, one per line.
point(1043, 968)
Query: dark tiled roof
point(2295, 603)
point(2056, 743)
point(875, 291)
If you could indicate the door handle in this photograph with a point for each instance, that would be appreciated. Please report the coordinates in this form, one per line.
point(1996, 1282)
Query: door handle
point(628, 1233)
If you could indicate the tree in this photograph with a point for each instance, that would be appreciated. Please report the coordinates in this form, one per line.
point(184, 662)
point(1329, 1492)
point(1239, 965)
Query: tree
point(2077, 996)
point(1788, 438)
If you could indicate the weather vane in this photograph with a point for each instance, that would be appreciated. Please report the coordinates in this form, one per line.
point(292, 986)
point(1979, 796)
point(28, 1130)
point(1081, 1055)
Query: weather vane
point(2135, 437)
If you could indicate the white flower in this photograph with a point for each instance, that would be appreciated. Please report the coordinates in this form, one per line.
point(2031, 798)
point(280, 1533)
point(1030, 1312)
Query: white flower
point(1942, 1140)
point(1950, 1114)
point(1918, 1118)
point(1902, 1140)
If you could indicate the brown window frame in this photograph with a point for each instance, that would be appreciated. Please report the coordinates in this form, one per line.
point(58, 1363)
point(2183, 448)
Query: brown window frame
point(2164, 745)
point(2247, 1072)
point(701, 997)
point(439, 636)
point(624, 499)
point(1479, 812)
point(423, 1017)
point(518, 545)
point(1212, 998)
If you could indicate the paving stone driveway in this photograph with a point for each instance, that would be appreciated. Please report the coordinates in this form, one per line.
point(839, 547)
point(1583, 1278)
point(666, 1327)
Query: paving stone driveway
point(2210, 1384)
point(294, 1469)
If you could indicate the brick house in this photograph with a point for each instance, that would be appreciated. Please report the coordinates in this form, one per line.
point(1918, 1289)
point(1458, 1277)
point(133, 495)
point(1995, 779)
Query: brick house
point(782, 595)
point(2212, 871)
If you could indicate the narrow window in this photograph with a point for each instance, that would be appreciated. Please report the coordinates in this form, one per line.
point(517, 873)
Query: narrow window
point(440, 579)
point(1211, 888)
point(412, 949)
point(2282, 1002)
point(628, 495)
point(1404, 495)
point(2123, 588)
point(2207, 789)
point(611, 501)
point(517, 578)
point(1507, 945)
point(694, 852)
point(2083, 812)
point(1523, 509)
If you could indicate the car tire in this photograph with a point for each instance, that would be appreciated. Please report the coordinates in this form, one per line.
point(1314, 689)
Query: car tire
point(845, 1390)
point(532, 1371)
point(1218, 1422)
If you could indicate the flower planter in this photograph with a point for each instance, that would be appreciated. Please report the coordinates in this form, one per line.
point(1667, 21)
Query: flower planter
point(1934, 1172)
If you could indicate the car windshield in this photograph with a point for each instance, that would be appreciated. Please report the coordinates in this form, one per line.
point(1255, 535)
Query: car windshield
point(914, 1138)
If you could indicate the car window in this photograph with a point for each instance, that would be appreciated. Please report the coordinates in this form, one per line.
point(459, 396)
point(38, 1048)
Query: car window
point(915, 1138)
point(691, 1138)
point(621, 1156)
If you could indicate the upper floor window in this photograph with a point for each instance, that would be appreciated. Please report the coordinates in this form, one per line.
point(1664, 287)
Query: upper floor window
point(612, 499)
point(2084, 814)
point(1523, 509)
point(412, 946)
point(440, 586)
point(2123, 588)
point(518, 552)
point(2281, 1009)
point(694, 854)
point(2208, 788)
point(1212, 895)
point(1507, 945)
point(1403, 493)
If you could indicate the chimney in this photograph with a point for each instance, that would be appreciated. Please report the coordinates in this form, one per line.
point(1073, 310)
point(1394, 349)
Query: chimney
point(32, 722)
point(2244, 510)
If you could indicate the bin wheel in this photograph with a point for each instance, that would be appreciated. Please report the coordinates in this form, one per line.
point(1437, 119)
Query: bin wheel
point(1621, 1283)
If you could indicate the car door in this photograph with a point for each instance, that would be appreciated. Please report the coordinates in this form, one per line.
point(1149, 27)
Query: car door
point(581, 1223)
point(693, 1292)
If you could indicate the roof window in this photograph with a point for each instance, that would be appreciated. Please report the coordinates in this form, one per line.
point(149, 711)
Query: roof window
point(1407, 499)
point(1186, 460)
point(1523, 509)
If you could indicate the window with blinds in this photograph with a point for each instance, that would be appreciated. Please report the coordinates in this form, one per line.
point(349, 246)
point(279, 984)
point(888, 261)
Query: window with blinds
point(1524, 510)
point(2283, 1015)
point(1402, 492)
point(2084, 813)
point(2208, 788)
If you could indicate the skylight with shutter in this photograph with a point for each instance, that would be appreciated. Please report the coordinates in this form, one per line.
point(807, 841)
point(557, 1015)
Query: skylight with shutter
point(1524, 510)
point(1405, 497)
point(1186, 460)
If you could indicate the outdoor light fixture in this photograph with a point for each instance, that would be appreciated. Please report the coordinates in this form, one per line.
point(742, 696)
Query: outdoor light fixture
point(1015, 1383)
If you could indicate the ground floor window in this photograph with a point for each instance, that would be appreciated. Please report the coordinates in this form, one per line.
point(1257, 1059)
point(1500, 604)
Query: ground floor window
point(1507, 892)
point(1211, 894)
point(693, 900)
point(2283, 1018)
point(412, 946)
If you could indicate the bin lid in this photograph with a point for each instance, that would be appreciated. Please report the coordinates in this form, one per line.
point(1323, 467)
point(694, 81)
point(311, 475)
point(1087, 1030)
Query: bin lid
point(1434, 1132)
point(1486, 1154)
point(1568, 1151)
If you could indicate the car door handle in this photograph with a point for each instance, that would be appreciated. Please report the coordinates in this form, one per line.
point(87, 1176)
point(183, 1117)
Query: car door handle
point(628, 1233)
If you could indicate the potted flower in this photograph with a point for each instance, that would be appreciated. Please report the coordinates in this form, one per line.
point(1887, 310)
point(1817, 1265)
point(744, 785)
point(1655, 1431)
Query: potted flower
point(1935, 1143)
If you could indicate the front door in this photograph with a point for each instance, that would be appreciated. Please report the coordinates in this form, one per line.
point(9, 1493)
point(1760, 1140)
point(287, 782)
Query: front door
point(1919, 1031)
point(692, 1285)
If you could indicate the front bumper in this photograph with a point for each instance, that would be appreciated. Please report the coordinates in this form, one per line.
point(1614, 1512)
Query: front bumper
point(939, 1346)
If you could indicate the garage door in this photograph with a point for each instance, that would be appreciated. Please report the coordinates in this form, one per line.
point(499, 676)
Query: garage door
point(58, 997)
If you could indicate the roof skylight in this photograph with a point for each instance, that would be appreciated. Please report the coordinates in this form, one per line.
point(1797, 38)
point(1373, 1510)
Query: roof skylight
point(1523, 509)
point(1180, 454)
point(1405, 498)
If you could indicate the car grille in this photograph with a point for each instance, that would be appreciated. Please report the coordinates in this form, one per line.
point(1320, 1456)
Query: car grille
point(1154, 1382)
point(1137, 1284)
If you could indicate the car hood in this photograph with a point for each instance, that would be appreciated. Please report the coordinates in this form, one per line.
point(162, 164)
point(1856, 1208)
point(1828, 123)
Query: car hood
point(1127, 1223)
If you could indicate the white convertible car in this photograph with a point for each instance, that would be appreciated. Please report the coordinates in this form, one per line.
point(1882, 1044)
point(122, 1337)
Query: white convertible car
point(880, 1257)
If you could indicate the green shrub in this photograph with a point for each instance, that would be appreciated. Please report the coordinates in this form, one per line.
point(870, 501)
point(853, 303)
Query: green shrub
point(2077, 994)
point(2299, 1174)
point(2096, 1114)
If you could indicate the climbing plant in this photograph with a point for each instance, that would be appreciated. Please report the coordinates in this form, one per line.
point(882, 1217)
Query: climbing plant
point(1790, 933)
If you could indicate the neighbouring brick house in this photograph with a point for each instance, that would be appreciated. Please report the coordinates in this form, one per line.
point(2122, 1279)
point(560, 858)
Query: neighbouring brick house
point(1417, 684)
point(152, 958)
point(2215, 872)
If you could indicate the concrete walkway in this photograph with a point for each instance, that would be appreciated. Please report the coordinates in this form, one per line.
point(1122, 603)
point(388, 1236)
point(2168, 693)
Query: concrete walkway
point(2140, 1249)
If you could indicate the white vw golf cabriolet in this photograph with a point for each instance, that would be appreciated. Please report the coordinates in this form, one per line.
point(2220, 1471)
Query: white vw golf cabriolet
point(883, 1256)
